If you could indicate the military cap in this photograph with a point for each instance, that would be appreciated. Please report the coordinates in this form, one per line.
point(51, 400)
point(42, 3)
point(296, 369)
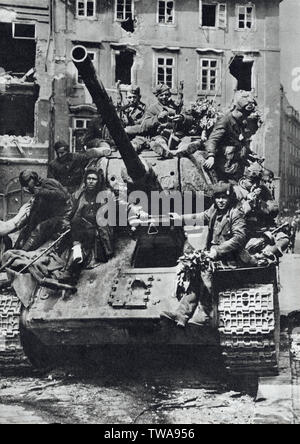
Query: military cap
point(161, 88)
point(134, 89)
point(223, 188)
point(254, 171)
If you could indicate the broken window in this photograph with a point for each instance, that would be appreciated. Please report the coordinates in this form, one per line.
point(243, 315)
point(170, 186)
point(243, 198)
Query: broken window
point(165, 71)
point(213, 15)
point(17, 114)
point(124, 14)
point(124, 60)
point(245, 16)
point(166, 12)
point(86, 8)
point(241, 69)
point(17, 56)
point(209, 75)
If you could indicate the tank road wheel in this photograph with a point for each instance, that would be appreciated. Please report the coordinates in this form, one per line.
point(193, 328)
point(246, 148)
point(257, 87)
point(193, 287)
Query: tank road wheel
point(12, 357)
point(249, 327)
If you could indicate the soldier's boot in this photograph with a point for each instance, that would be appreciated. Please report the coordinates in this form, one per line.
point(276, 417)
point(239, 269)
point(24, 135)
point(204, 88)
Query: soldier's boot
point(184, 311)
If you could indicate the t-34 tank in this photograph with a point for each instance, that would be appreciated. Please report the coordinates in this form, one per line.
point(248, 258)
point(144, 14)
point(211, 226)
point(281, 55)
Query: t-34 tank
point(120, 302)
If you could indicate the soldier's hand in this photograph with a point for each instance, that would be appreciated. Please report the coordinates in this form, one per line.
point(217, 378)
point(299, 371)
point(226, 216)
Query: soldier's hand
point(25, 210)
point(209, 163)
point(212, 254)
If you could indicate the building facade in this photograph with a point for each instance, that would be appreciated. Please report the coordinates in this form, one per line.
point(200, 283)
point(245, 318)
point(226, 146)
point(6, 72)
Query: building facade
point(215, 46)
point(289, 156)
point(25, 93)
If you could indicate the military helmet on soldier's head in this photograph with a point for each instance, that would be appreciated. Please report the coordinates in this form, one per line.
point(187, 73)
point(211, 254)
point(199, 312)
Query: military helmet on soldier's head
point(160, 89)
point(134, 89)
point(223, 188)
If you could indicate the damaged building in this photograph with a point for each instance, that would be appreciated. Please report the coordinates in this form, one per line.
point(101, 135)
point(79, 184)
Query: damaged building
point(25, 93)
point(215, 47)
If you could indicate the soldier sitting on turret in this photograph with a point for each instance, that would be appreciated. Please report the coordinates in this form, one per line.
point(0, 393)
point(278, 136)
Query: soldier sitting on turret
point(260, 210)
point(92, 243)
point(228, 147)
point(68, 168)
point(226, 238)
point(159, 120)
point(98, 130)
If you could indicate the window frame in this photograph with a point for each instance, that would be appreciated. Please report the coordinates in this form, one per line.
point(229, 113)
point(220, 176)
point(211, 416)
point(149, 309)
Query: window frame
point(23, 23)
point(85, 16)
point(217, 91)
point(124, 10)
point(253, 16)
point(166, 55)
point(95, 63)
point(174, 13)
point(218, 6)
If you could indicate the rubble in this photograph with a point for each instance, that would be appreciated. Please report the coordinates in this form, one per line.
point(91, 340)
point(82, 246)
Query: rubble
point(7, 140)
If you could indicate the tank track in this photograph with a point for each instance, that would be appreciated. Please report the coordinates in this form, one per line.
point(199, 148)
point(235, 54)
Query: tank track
point(12, 357)
point(247, 327)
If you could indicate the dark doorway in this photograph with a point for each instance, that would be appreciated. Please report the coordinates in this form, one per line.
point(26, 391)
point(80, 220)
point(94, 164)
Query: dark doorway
point(17, 115)
point(124, 63)
point(242, 71)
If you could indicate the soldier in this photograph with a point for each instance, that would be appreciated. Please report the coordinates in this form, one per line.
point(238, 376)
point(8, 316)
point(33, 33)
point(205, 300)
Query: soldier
point(226, 238)
point(227, 147)
point(50, 212)
point(260, 210)
point(68, 168)
point(132, 115)
point(98, 130)
point(92, 243)
point(159, 120)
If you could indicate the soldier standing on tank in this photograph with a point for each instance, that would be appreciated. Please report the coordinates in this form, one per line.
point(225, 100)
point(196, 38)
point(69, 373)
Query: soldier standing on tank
point(260, 210)
point(227, 147)
point(226, 238)
point(50, 212)
point(68, 168)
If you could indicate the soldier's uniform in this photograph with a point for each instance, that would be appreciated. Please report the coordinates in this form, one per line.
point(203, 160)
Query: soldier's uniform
point(226, 238)
point(50, 212)
point(260, 210)
point(228, 142)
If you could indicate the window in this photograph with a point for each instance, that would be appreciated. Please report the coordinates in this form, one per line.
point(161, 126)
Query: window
point(23, 31)
point(165, 71)
point(213, 15)
point(124, 60)
point(78, 131)
point(124, 10)
point(86, 8)
point(245, 17)
point(166, 12)
point(242, 69)
point(93, 57)
point(209, 75)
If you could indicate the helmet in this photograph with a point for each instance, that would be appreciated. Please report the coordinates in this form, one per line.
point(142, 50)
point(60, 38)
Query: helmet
point(223, 188)
point(134, 89)
point(161, 88)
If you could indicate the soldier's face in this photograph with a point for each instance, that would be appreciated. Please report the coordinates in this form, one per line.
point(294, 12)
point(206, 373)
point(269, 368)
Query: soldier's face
point(91, 182)
point(62, 152)
point(30, 186)
point(222, 202)
point(132, 99)
point(164, 97)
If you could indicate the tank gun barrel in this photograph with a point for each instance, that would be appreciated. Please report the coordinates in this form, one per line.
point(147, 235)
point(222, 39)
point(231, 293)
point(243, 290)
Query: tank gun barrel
point(106, 109)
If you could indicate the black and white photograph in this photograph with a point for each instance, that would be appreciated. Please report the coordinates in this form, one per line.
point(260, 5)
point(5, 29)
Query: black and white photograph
point(149, 214)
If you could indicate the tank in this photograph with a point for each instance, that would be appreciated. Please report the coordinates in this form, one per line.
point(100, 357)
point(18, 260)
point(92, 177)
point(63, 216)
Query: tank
point(120, 302)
